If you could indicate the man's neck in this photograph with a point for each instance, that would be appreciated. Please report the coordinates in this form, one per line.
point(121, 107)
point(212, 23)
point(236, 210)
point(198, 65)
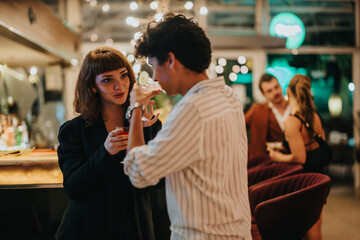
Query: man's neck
point(281, 106)
point(192, 78)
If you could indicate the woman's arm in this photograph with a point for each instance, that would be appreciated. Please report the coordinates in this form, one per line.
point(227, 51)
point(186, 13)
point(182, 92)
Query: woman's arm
point(296, 143)
point(80, 172)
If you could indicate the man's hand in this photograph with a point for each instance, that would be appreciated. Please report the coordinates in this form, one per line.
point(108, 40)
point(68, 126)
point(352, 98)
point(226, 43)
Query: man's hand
point(142, 95)
point(149, 115)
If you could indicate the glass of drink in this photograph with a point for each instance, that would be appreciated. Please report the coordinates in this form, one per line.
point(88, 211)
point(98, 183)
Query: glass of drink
point(148, 83)
point(124, 131)
point(275, 145)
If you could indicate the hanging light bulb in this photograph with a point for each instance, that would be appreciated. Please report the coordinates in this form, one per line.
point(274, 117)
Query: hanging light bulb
point(154, 5)
point(106, 7)
point(133, 6)
point(335, 105)
point(188, 5)
point(203, 10)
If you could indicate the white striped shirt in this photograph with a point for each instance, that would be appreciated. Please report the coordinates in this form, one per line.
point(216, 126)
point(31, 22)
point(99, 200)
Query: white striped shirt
point(202, 152)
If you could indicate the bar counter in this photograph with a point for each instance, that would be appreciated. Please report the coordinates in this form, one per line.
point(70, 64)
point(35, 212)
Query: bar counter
point(38, 169)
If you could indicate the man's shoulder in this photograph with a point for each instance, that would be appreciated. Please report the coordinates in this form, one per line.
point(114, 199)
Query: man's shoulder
point(260, 106)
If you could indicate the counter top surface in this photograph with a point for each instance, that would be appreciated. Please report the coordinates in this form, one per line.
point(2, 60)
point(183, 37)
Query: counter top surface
point(36, 157)
point(37, 169)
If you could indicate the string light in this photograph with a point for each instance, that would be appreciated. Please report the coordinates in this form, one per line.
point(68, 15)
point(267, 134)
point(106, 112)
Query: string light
point(106, 7)
point(33, 70)
point(154, 5)
point(188, 5)
point(158, 17)
point(241, 59)
point(94, 37)
point(137, 35)
point(222, 61)
point(133, 6)
point(219, 69)
point(203, 10)
point(233, 76)
point(93, 3)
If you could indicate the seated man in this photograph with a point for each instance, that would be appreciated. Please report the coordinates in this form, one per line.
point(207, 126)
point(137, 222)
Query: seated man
point(265, 121)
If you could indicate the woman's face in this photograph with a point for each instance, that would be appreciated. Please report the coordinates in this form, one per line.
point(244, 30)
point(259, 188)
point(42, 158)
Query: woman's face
point(113, 86)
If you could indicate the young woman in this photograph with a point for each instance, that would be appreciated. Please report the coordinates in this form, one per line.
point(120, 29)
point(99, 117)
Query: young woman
point(103, 203)
point(299, 142)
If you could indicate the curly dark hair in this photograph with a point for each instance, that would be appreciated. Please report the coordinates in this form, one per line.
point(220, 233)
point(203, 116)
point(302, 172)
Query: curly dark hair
point(97, 61)
point(177, 34)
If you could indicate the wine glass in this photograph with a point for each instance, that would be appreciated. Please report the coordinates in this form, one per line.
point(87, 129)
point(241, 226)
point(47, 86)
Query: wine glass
point(149, 85)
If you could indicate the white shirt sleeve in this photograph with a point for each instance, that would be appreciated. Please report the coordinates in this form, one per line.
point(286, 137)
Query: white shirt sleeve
point(177, 145)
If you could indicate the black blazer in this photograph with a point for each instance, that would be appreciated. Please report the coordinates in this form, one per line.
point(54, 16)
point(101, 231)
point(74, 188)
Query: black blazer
point(103, 203)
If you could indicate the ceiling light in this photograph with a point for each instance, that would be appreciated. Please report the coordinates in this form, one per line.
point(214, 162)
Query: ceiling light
point(294, 51)
point(105, 7)
point(244, 69)
point(219, 69)
point(188, 5)
point(203, 10)
point(137, 35)
point(130, 20)
point(222, 61)
point(130, 58)
point(94, 37)
point(10, 100)
point(136, 23)
point(133, 6)
point(233, 76)
point(236, 68)
point(242, 60)
point(93, 3)
point(158, 17)
point(154, 5)
point(33, 70)
point(133, 42)
point(74, 62)
point(351, 86)
point(109, 42)
point(335, 105)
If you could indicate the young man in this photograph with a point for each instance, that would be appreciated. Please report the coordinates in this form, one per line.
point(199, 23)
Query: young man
point(202, 148)
point(265, 121)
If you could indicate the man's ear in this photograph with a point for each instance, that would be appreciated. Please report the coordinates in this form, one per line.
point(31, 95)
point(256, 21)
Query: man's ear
point(171, 58)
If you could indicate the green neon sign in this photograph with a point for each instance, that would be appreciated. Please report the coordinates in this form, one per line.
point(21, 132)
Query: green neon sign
point(288, 25)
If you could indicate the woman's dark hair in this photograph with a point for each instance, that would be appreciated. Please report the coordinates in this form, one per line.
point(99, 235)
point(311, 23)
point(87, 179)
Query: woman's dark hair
point(97, 61)
point(177, 34)
point(300, 85)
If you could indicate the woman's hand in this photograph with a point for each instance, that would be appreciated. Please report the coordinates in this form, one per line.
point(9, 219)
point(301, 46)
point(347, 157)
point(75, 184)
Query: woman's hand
point(149, 115)
point(116, 141)
point(272, 153)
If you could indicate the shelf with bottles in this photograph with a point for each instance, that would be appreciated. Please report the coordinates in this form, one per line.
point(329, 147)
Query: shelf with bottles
point(13, 133)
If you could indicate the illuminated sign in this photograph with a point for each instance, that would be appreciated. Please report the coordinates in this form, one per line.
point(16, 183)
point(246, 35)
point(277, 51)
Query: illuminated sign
point(288, 25)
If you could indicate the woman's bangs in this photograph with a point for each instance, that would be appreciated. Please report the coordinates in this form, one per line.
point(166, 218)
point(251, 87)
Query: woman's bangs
point(108, 63)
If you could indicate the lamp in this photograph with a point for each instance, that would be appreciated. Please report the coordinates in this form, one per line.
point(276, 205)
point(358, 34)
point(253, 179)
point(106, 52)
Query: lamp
point(335, 105)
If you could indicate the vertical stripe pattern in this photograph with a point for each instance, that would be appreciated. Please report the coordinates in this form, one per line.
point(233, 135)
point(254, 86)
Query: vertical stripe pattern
point(202, 152)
